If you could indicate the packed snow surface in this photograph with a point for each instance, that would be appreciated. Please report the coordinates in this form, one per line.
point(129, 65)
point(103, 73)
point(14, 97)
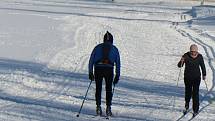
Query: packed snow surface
point(45, 47)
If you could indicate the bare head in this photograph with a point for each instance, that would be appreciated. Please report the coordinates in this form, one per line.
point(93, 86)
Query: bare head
point(193, 47)
point(194, 50)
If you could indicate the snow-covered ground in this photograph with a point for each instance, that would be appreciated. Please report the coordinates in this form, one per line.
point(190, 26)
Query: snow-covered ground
point(45, 47)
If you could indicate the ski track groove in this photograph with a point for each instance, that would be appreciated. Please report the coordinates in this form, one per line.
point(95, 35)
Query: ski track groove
point(82, 63)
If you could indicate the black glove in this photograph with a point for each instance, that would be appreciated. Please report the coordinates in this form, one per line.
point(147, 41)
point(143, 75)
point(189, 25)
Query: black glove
point(91, 76)
point(116, 79)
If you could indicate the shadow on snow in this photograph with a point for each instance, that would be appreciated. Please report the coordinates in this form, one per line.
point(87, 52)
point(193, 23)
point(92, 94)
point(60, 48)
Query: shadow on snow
point(8, 66)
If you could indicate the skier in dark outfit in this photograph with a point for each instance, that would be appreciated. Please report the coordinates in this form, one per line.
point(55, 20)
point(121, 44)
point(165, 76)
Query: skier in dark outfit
point(103, 58)
point(192, 76)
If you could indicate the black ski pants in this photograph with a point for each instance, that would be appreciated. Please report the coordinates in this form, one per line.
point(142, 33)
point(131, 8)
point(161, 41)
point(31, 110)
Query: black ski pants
point(192, 90)
point(106, 73)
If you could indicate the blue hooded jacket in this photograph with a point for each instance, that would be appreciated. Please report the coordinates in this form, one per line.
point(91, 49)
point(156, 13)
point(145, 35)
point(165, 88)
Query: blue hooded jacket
point(97, 55)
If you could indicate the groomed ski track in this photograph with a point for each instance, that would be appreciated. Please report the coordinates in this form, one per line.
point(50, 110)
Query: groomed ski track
point(48, 80)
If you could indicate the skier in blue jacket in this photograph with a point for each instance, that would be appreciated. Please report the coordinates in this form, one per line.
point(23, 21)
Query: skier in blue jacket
point(101, 65)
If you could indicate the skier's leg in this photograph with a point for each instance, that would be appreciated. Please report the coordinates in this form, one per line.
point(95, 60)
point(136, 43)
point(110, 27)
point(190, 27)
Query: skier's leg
point(98, 80)
point(195, 95)
point(109, 95)
point(108, 85)
point(188, 92)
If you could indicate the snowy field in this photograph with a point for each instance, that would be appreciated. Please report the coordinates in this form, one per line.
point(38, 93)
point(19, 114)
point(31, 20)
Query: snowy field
point(45, 47)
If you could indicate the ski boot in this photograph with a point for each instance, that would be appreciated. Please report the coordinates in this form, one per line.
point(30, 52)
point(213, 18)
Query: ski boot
point(98, 110)
point(108, 111)
point(186, 109)
point(194, 114)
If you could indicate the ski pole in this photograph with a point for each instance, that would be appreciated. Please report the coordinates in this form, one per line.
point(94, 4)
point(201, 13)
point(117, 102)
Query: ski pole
point(84, 99)
point(179, 74)
point(206, 85)
point(113, 88)
point(177, 85)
